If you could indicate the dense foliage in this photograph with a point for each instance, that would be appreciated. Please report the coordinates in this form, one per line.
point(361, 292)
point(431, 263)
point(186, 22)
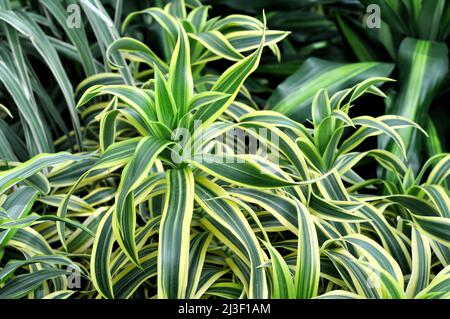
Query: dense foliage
point(231, 156)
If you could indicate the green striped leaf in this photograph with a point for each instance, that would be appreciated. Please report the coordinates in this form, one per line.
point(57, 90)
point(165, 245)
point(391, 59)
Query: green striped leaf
point(174, 234)
point(226, 222)
point(17, 206)
point(230, 82)
point(282, 281)
point(33, 166)
point(21, 285)
point(293, 97)
point(417, 60)
point(217, 43)
point(243, 170)
point(136, 51)
point(27, 27)
point(421, 264)
point(180, 75)
point(101, 256)
point(307, 269)
point(198, 248)
point(166, 107)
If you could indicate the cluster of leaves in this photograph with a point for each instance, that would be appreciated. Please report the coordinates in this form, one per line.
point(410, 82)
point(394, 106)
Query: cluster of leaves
point(339, 38)
point(42, 58)
point(140, 211)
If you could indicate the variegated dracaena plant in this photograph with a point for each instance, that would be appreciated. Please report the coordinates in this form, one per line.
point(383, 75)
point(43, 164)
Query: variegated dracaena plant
point(226, 38)
point(210, 40)
point(166, 208)
point(368, 238)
